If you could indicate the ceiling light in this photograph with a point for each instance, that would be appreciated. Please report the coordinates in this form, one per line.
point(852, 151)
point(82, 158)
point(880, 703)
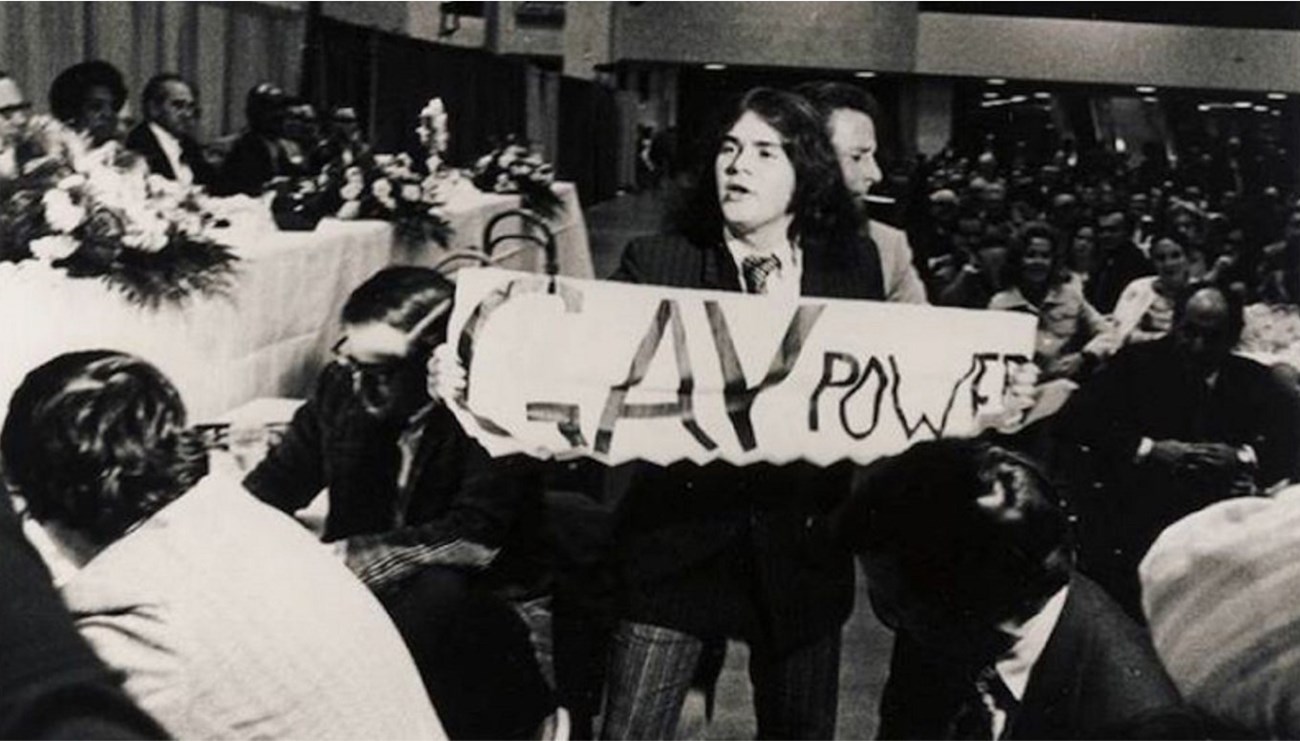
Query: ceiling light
point(1277, 96)
point(1276, 112)
point(1203, 107)
point(991, 94)
point(1019, 98)
point(996, 81)
point(1145, 89)
point(1150, 99)
point(1042, 95)
point(1242, 104)
point(714, 66)
point(864, 74)
point(1261, 109)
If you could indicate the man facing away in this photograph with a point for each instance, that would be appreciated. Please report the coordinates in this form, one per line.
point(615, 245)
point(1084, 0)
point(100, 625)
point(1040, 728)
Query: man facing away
point(967, 560)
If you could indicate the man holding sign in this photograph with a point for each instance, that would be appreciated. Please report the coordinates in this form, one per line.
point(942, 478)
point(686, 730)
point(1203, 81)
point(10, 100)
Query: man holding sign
point(736, 464)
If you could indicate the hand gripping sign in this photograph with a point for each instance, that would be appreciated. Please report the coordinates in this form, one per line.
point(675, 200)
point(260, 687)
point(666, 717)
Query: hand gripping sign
point(619, 372)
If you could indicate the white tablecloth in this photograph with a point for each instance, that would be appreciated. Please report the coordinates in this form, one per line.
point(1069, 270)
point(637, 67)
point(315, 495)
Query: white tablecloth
point(271, 336)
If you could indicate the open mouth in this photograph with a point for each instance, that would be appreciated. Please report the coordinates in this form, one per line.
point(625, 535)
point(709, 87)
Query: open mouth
point(736, 189)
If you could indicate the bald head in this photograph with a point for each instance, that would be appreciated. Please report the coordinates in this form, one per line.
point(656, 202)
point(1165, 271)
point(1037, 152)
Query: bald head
point(1207, 326)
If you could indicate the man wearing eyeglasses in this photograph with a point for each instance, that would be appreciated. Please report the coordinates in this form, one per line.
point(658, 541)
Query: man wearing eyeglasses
point(442, 533)
point(166, 138)
point(14, 110)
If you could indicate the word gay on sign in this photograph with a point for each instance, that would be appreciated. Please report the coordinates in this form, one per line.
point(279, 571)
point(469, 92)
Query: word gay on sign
point(619, 372)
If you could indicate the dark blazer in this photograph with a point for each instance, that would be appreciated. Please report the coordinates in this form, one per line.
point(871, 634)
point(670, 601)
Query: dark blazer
point(142, 140)
point(457, 491)
point(252, 162)
point(1098, 677)
point(740, 551)
point(1148, 391)
point(1114, 274)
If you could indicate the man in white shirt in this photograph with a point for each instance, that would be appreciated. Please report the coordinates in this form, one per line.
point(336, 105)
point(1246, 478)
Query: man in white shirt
point(166, 138)
point(968, 560)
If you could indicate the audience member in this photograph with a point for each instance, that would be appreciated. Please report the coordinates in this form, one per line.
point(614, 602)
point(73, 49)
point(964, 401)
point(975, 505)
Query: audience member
point(1040, 285)
point(997, 636)
point(166, 138)
point(88, 97)
point(1119, 262)
point(440, 531)
point(1174, 425)
point(1145, 310)
point(225, 618)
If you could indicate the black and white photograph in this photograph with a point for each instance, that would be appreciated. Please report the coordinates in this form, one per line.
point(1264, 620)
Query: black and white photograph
point(649, 369)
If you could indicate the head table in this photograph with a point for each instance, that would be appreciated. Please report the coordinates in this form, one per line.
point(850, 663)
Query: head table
point(272, 334)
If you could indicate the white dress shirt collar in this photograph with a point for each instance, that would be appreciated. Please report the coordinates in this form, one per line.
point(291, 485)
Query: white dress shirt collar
point(1015, 666)
point(171, 147)
point(784, 281)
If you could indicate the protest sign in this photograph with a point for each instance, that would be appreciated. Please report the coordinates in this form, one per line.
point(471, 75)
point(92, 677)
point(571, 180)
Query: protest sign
point(619, 372)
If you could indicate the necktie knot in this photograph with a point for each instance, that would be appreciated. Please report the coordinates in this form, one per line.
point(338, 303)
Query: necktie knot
point(756, 270)
point(987, 710)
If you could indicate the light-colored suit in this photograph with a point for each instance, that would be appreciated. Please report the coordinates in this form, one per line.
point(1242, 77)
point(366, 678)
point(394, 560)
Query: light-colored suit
point(902, 283)
point(229, 620)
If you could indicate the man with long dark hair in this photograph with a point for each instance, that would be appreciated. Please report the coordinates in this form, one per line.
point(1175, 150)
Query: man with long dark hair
point(721, 551)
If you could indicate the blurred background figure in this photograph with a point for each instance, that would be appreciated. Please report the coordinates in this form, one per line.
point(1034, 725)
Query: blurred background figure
point(166, 137)
point(258, 155)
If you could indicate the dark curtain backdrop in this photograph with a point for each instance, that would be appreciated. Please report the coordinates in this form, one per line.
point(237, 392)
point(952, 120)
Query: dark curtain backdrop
point(589, 130)
point(388, 78)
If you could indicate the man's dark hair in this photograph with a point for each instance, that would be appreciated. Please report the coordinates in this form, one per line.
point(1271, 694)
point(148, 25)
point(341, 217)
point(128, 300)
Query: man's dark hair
point(1235, 302)
point(970, 524)
point(265, 108)
point(402, 297)
point(829, 96)
point(69, 89)
point(825, 218)
point(96, 442)
point(156, 88)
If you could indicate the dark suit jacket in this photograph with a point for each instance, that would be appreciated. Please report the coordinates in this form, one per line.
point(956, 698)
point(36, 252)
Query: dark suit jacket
point(1098, 677)
point(1114, 274)
point(252, 162)
point(740, 551)
point(457, 490)
point(142, 140)
point(1147, 391)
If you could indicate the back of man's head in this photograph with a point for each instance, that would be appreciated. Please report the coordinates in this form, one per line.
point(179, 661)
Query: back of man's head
point(829, 96)
point(968, 526)
point(95, 442)
point(403, 297)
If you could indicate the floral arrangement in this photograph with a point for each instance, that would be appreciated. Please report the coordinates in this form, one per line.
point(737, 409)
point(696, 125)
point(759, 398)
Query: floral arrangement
point(99, 213)
point(1272, 334)
point(515, 168)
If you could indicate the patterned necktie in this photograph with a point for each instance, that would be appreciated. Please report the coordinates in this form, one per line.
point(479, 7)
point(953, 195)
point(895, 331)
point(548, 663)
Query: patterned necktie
point(989, 702)
point(756, 270)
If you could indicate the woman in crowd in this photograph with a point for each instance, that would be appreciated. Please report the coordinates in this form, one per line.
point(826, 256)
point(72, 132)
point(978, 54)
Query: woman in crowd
point(1040, 285)
point(1081, 256)
point(1145, 310)
point(225, 617)
point(88, 97)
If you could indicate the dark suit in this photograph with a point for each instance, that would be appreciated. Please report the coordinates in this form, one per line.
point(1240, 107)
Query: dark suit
point(1113, 275)
point(253, 161)
point(1098, 677)
point(472, 650)
point(743, 552)
point(1148, 391)
point(142, 140)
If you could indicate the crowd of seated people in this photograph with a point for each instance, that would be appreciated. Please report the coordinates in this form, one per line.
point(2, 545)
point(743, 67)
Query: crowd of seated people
point(1025, 571)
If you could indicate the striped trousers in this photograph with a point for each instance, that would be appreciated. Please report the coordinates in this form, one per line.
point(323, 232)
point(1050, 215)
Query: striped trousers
point(796, 694)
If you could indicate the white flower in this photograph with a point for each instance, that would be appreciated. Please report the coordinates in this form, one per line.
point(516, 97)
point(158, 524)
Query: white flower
point(411, 192)
point(387, 202)
point(354, 175)
point(71, 182)
point(60, 212)
point(483, 162)
point(383, 189)
point(349, 210)
point(54, 247)
point(351, 191)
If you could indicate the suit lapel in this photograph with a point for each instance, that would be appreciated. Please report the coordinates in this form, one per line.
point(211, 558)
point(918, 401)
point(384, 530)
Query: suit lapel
point(718, 270)
point(1052, 693)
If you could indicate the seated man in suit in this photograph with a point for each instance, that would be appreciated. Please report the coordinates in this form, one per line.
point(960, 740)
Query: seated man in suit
point(1172, 426)
point(998, 637)
point(166, 138)
point(225, 619)
point(440, 531)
